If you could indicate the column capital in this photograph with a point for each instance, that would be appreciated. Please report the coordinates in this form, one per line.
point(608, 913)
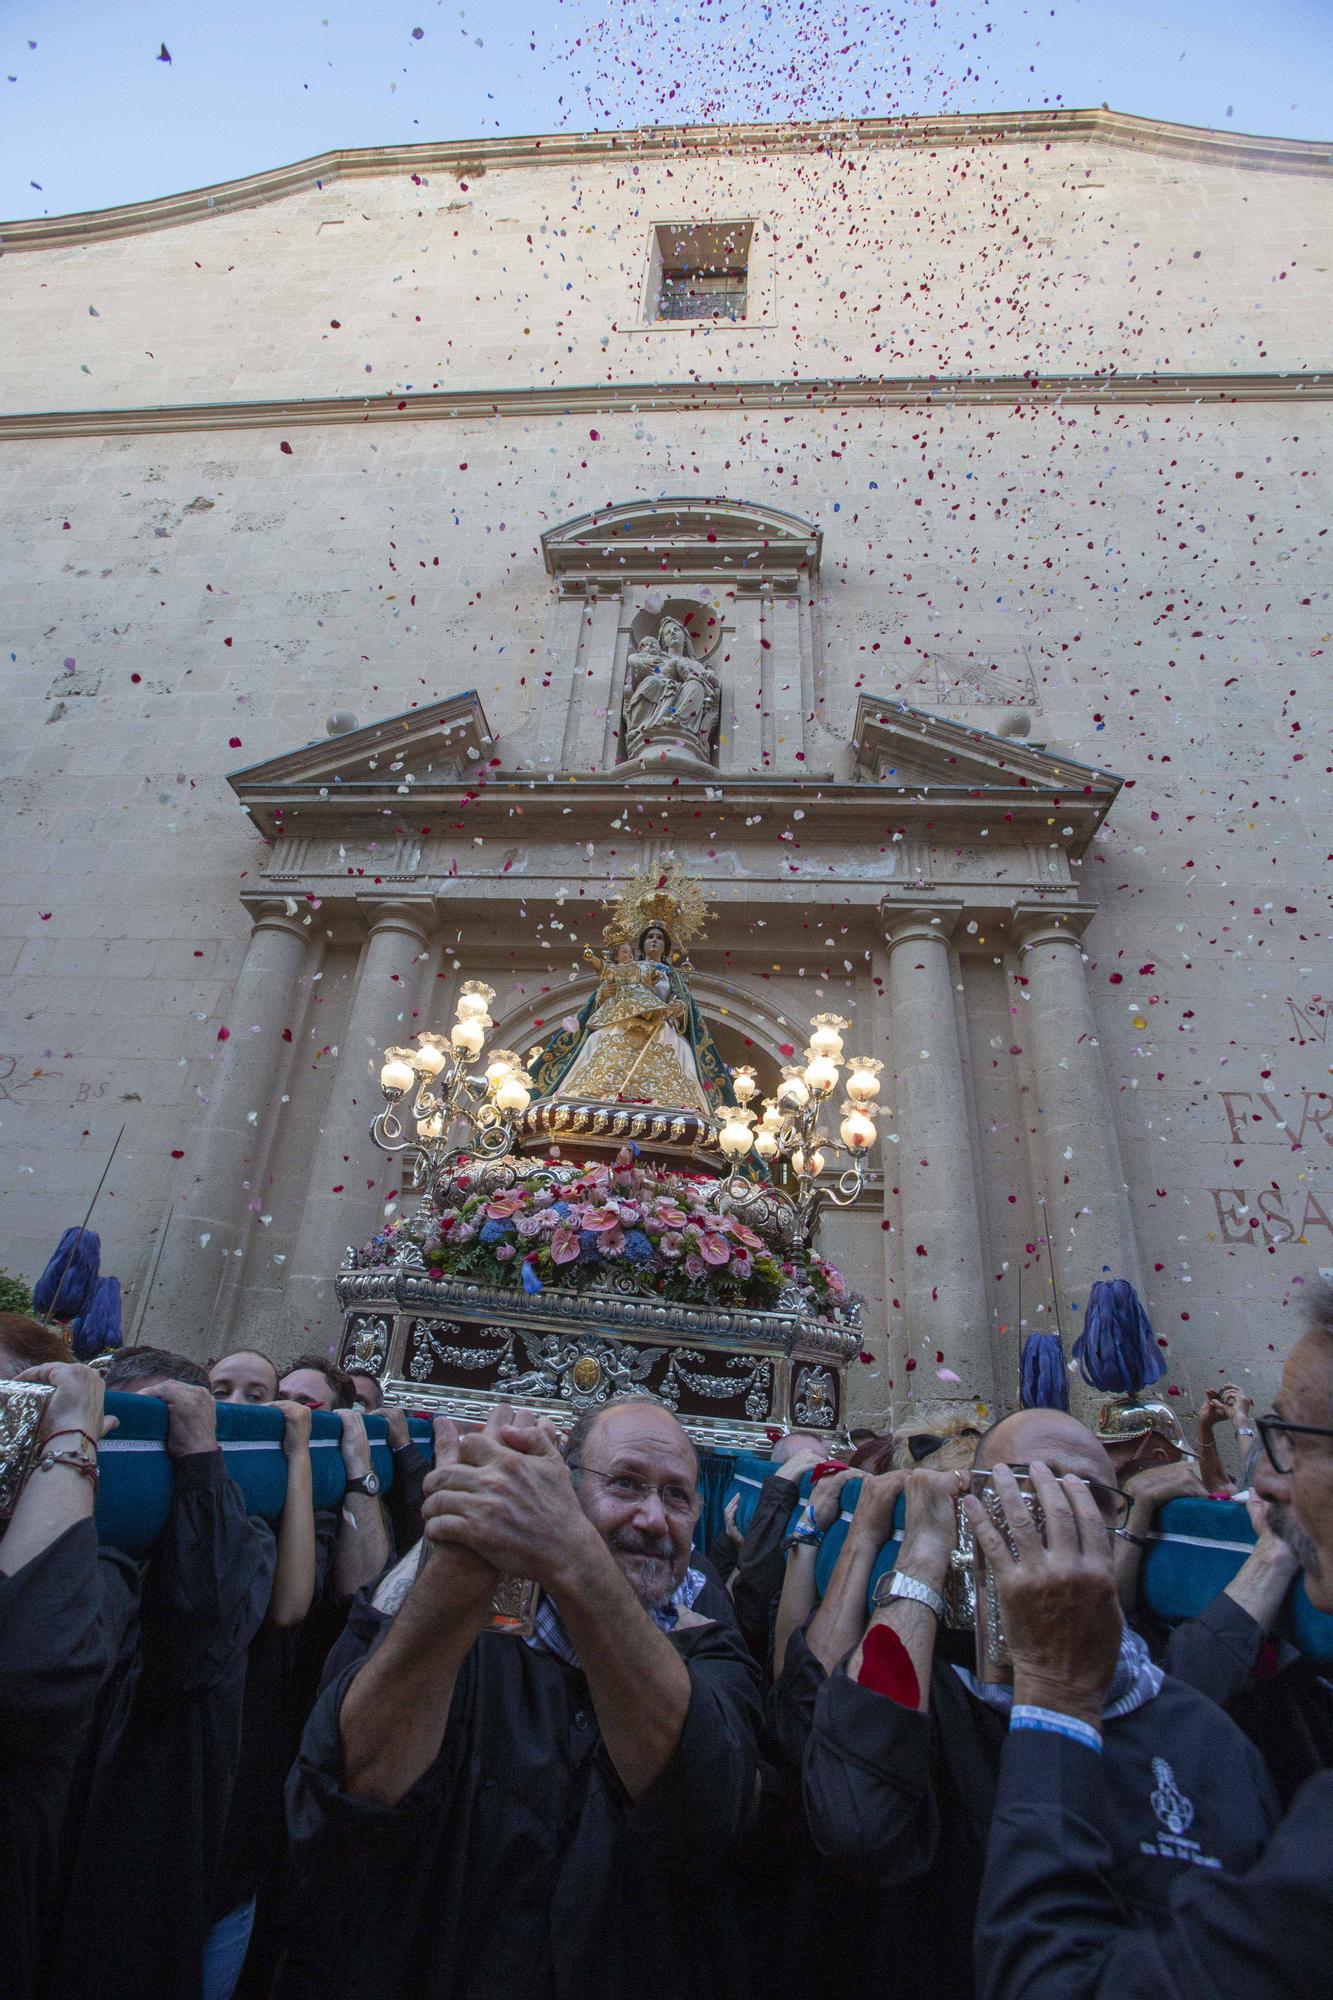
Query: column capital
point(277, 913)
point(920, 922)
point(1045, 923)
point(413, 915)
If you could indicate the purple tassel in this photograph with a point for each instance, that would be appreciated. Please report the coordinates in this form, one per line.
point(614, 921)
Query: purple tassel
point(531, 1282)
point(66, 1286)
point(1117, 1351)
point(97, 1330)
point(1043, 1383)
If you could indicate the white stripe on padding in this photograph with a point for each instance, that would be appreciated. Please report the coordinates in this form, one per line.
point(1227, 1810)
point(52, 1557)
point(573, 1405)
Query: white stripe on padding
point(232, 1444)
point(1203, 1542)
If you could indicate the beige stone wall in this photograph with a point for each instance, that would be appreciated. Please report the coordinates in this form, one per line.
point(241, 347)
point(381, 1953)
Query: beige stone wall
point(1053, 255)
point(1152, 580)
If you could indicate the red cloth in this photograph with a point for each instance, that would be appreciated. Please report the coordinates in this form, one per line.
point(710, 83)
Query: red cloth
point(886, 1667)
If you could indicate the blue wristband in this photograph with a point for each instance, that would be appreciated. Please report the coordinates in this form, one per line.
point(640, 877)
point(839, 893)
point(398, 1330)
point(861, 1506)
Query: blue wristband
point(1025, 1716)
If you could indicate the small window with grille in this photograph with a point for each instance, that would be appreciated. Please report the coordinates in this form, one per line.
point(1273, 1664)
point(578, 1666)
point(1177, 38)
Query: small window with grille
point(699, 271)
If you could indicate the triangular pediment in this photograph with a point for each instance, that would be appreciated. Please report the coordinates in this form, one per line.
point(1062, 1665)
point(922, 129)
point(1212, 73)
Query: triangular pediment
point(904, 748)
point(683, 536)
point(441, 743)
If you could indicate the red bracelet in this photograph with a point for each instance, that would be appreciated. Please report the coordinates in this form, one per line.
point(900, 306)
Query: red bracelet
point(50, 1459)
point(72, 1431)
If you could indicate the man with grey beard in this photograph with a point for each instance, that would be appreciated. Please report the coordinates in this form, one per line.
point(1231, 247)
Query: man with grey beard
point(1049, 1922)
point(475, 1815)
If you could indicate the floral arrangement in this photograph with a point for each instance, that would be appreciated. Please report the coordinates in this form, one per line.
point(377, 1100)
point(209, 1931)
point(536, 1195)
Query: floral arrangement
point(576, 1227)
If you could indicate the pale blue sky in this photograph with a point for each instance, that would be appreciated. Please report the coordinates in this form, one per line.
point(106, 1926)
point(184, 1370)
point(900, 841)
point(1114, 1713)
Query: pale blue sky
point(95, 119)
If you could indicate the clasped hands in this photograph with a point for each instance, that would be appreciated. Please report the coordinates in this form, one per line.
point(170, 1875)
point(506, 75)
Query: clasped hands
point(501, 1501)
point(1058, 1598)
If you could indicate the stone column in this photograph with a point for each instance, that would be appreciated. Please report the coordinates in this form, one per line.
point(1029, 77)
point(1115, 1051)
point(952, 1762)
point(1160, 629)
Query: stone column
point(1089, 1221)
point(222, 1155)
point(943, 1274)
point(349, 1175)
point(782, 629)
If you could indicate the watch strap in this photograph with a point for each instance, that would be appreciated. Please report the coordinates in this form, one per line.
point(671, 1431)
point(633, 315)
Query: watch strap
point(898, 1584)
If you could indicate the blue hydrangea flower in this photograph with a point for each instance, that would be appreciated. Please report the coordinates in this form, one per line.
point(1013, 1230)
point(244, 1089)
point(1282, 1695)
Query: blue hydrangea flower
point(588, 1243)
point(637, 1247)
point(494, 1232)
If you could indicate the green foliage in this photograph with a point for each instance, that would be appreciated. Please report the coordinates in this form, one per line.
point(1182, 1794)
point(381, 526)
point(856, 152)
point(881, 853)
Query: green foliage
point(15, 1296)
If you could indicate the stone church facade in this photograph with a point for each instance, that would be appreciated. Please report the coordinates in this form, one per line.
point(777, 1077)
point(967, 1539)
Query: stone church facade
point(963, 479)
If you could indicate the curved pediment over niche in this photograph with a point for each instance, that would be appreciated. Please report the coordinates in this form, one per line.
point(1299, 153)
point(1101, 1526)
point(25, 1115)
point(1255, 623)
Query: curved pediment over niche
point(687, 536)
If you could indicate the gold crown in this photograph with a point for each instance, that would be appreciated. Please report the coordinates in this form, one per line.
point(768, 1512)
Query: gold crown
point(662, 896)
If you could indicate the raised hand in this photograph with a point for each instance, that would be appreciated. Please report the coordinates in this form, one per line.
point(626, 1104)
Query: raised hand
point(76, 1404)
point(295, 1426)
point(1058, 1600)
point(192, 1418)
point(508, 1498)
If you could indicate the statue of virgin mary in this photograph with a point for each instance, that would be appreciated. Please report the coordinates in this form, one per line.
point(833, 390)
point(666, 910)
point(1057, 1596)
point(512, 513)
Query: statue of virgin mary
point(640, 1038)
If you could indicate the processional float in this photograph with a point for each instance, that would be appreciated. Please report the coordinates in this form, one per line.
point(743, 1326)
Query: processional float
point(613, 1214)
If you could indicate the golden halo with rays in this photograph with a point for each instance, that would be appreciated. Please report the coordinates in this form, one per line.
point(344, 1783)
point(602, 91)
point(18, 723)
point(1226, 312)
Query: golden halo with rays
point(663, 896)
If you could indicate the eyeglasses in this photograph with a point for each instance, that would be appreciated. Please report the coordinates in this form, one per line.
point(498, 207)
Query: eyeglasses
point(1112, 1503)
point(1276, 1436)
point(628, 1488)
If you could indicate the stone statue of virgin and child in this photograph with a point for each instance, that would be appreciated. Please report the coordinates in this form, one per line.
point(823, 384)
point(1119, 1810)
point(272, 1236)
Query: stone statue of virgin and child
point(640, 1038)
point(669, 694)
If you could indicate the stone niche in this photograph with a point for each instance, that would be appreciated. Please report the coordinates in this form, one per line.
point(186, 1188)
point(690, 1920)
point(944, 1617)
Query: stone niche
point(682, 640)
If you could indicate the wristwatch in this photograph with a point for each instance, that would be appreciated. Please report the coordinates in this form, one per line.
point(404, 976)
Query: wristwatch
point(897, 1584)
point(368, 1483)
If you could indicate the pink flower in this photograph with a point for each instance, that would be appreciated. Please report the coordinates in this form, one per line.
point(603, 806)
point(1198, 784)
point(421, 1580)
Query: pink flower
point(713, 1248)
point(463, 1232)
point(601, 1221)
point(668, 1214)
point(694, 1266)
point(612, 1243)
point(501, 1206)
point(671, 1244)
point(504, 1251)
point(565, 1246)
point(743, 1233)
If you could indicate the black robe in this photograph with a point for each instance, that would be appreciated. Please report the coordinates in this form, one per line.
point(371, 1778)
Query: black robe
point(518, 1863)
point(61, 1618)
point(903, 1803)
point(144, 1846)
point(1052, 1923)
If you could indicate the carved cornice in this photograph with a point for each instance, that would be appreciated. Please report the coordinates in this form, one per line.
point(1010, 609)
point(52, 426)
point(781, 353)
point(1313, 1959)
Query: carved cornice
point(472, 158)
point(608, 399)
point(688, 536)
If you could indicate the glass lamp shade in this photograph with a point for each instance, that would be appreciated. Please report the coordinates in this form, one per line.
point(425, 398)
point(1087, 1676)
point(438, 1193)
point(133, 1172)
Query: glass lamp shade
point(773, 1117)
point(512, 1092)
point(467, 1036)
point(735, 1141)
point(397, 1074)
point(826, 1039)
point(821, 1073)
point(765, 1143)
point(431, 1055)
point(744, 1083)
point(431, 1128)
point(811, 1163)
point(793, 1091)
point(474, 1000)
point(502, 1063)
point(857, 1129)
point(863, 1078)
